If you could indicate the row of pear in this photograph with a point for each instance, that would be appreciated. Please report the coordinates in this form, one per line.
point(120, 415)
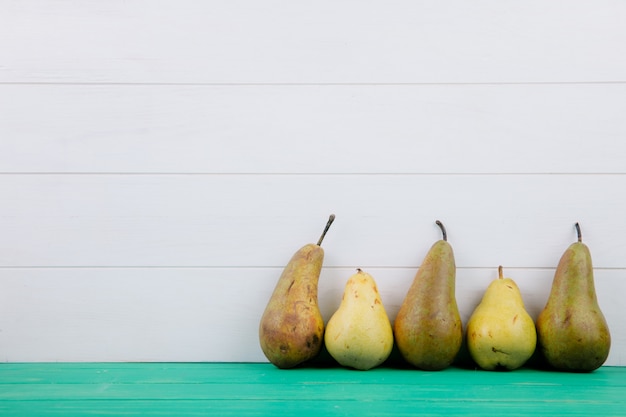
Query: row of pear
point(570, 333)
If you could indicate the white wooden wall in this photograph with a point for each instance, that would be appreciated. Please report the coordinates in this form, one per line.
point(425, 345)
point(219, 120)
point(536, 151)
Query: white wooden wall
point(160, 161)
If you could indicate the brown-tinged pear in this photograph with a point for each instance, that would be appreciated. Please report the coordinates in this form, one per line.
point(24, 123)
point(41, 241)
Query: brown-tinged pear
point(573, 334)
point(428, 329)
point(291, 329)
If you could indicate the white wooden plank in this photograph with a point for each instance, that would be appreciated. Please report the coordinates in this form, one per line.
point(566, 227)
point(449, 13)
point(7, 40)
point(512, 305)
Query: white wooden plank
point(503, 120)
point(314, 129)
point(260, 220)
point(243, 41)
point(209, 314)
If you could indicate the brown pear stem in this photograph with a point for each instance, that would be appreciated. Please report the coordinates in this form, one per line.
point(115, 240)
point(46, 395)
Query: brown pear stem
point(443, 230)
point(578, 232)
point(500, 275)
point(331, 219)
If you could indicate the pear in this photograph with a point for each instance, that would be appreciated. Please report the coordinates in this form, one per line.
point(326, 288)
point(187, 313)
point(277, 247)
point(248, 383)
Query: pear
point(428, 329)
point(291, 329)
point(501, 335)
point(359, 335)
point(573, 333)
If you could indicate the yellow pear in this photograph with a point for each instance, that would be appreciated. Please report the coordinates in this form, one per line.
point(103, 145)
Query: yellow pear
point(500, 333)
point(359, 335)
point(292, 328)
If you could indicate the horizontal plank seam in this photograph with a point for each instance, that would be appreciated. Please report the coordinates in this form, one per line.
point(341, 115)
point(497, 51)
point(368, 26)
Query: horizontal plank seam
point(325, 174)
point(534, 268)
point(307, 84)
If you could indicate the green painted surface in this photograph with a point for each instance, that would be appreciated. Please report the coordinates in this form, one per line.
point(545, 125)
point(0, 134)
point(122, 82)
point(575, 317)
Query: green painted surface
point(236, 389)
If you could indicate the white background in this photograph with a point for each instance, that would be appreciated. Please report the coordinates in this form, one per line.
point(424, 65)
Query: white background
point(160, 161)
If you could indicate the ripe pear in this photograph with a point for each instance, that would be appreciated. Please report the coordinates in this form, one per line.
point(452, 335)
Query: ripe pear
point(500, 332)
point(359, 335)
point(573, 333)
point(428, 328)
point(292, 328)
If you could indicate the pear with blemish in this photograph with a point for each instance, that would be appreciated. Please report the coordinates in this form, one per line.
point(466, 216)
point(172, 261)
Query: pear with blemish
point(501, 335)
point(291, 329)
point(359, 335)
point(428, 329)
point(573, 333)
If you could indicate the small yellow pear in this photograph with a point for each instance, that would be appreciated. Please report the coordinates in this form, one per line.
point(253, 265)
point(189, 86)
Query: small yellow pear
point(359, 333)
point(500, 333)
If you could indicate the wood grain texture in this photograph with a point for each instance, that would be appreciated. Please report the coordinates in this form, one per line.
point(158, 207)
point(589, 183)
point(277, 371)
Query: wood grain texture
point(210, 314)
point(262, 390)
point(161, 161)
point(313, 129)
point(260, 220)
point(323, 42)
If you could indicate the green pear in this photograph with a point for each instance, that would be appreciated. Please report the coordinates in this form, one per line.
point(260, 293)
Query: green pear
point(500, 332)
point(573, 333)
point(359, 335)
point(291, 329)
point(428, 328)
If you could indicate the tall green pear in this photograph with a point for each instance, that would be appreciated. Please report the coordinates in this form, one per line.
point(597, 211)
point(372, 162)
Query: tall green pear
point(428, 329)
point(358, 334)
point(291, 329)
point(573, 333)
point(500, 332)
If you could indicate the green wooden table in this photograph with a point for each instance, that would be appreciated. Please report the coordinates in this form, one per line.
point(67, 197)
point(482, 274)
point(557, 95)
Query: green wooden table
point(246, 389)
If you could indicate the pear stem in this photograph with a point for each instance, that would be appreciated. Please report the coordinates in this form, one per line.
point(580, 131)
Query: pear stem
point(500, 275)
point(443, 230)
point(331, 219)
point(578, 232)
